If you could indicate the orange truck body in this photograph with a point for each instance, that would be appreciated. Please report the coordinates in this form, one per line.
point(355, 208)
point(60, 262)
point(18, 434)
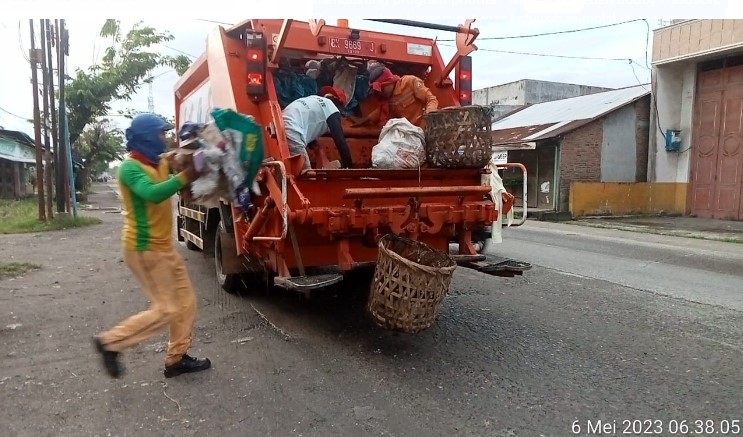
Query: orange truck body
point(326, 217)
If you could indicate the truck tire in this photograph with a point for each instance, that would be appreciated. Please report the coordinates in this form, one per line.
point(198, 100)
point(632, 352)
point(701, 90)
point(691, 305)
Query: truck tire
point(178, 227)
point(230, 283)
point(481, 239)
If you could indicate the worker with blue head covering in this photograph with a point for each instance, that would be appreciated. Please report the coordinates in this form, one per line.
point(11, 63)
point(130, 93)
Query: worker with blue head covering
point(146, 186)
point(146, 137)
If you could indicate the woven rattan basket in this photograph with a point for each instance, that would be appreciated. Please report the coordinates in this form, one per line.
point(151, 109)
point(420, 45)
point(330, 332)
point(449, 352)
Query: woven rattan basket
point(459, 137)
point(410, 282)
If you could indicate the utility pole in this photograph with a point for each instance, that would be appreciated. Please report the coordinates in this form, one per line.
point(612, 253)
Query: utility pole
point(64, 50)
point(47, 143)
point(37, 123)
point(58, 181)
point(63, 166)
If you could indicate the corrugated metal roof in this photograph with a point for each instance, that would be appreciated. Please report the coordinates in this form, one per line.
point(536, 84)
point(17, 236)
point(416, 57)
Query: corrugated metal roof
point(546, 120)
point(16, 151)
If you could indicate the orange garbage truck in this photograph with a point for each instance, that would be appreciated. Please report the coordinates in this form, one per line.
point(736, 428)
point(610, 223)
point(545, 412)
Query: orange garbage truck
point(308, 229)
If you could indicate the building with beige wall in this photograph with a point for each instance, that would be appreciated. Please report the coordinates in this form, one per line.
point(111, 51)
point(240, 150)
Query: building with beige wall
point(698, 93)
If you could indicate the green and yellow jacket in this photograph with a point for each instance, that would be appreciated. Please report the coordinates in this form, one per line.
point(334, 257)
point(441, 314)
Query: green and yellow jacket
point(148, 215)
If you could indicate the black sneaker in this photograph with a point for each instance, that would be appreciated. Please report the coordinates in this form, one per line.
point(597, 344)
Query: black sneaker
point(110, 359)
point(187, 364)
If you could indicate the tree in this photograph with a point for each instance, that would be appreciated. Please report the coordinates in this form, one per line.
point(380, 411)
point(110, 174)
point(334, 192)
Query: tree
point(170, 136)
point(99, 144)
point(126, 66)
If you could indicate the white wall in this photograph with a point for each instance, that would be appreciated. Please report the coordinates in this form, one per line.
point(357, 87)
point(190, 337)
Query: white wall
point(674, 96)
point(531, 92)
point(619, 146)
point(506, 94)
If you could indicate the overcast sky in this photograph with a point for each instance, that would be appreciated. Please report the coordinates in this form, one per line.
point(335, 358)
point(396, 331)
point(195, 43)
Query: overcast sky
point(626, 41)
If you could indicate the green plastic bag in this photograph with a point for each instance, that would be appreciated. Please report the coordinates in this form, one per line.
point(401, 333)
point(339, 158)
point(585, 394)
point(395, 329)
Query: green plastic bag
point(249, 136)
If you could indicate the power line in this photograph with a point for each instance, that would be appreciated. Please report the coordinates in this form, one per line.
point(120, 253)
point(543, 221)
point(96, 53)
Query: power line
point(20, 43)
point(647, 43)
point(492, 38)
point(215, 22)
point(14, 115)
point(547, 55)
point(634, 72)
point(179, 51)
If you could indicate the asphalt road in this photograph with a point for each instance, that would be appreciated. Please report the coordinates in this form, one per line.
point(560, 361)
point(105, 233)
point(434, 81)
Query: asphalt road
point(691, 269)
point(606, 326)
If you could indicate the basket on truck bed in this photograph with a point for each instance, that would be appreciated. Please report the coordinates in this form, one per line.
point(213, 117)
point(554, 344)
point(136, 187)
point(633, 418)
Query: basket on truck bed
point(303, 225)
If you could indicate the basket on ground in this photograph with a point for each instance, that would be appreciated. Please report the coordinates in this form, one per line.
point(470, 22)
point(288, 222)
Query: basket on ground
point(410, 282)
point(459, 137)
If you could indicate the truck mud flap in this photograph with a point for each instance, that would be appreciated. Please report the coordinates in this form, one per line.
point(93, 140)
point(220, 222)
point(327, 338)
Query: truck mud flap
point(495, 266)
point(232, 263)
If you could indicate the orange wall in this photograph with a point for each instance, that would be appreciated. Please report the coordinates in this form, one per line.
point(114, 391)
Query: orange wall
point(615, 198)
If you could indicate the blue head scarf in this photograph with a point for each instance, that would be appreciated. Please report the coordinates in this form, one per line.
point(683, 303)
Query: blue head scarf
point(143, 136)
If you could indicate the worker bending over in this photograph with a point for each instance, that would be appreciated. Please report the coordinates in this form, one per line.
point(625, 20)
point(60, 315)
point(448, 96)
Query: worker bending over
point(308, 118)
point(404, 97)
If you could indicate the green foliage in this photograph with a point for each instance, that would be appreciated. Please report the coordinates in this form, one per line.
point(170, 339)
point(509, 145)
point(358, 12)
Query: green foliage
point(100, 144)
point(126, 65)
point(14, 270)
point(21, 216)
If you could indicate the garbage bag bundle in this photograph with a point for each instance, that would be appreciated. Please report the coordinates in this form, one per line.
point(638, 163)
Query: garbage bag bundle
point(291, 86)
point(247, 151)
point(208, 183)
point(401, 145)
point(229, 156)
point(497, 189)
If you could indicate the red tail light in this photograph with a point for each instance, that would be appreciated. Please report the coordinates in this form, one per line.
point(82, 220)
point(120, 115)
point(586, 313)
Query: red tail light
point(464, 81)
point(255, 56)
point(256, 64)
point(255, 79)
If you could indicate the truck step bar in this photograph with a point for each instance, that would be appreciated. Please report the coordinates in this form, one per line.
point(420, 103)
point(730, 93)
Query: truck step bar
point(497, 267)
point(193, 238)
point(192, 214)
point(307, 283)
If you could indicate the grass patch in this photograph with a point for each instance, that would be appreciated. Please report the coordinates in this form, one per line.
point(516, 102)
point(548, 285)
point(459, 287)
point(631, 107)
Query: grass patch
point(12, 270)
point(22, 216)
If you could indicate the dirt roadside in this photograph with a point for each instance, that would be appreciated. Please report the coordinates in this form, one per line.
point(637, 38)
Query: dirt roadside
point(51, 383)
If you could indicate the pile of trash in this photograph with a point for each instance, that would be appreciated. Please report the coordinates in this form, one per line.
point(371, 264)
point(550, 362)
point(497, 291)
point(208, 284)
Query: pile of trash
point(227, 153)
point(352, 78)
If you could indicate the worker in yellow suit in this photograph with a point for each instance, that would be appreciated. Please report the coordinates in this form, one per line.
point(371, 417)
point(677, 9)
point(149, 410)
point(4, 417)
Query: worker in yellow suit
point(404, 97)
point(146, 187)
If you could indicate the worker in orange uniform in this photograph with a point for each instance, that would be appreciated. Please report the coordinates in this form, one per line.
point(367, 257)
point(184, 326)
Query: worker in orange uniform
point(405, 97)
point(146, 187)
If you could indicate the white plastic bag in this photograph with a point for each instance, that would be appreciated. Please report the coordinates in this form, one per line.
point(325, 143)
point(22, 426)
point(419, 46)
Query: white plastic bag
point(208, 182)
point(401, 145)
point(497, 189)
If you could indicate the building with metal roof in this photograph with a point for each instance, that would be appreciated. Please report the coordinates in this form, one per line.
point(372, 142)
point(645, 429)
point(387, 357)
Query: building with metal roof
point(550, 119)
point(17, 158)
point(601, 137)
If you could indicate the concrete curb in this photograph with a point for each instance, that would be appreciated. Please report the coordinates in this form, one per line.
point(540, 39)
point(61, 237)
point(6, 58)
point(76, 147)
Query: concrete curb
point(700, 235)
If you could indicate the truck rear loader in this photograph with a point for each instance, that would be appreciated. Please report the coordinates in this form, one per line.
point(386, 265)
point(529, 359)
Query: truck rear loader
point(307, 230)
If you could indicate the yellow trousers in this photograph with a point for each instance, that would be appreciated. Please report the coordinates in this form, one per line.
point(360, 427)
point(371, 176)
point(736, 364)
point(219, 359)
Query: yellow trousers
point(164, 278)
